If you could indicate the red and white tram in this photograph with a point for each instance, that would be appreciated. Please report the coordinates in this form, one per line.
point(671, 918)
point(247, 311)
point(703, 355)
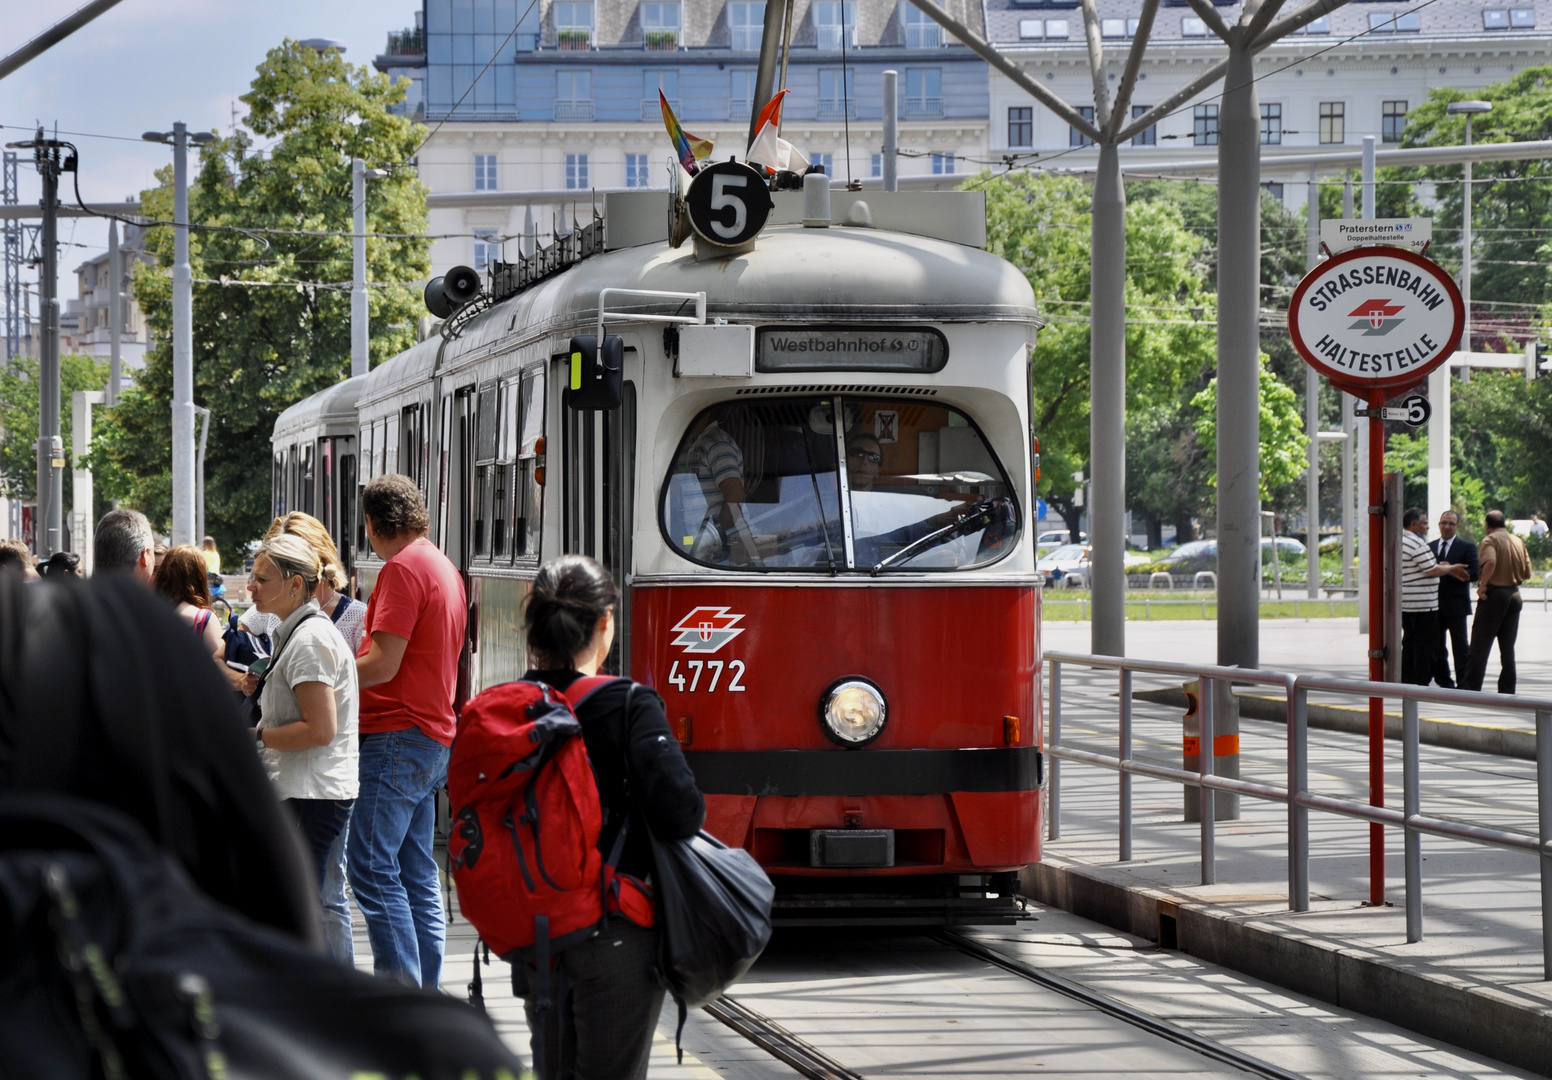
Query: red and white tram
point(815, 492)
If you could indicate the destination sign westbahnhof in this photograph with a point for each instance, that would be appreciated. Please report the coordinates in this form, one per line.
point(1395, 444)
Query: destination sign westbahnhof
point(1375, 318)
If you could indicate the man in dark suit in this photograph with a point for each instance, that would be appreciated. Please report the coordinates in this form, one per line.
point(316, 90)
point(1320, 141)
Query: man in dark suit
point(1454, 599)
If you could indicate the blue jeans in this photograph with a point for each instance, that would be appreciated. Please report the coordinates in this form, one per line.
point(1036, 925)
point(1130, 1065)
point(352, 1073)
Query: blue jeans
point(337, 933)
point(392, 869)
point(324, 824)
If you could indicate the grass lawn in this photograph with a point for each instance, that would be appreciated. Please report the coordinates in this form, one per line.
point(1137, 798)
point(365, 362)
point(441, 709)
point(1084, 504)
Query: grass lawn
point(1072, 605)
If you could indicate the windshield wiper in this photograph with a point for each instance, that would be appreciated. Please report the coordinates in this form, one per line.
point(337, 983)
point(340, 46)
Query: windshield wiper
point(819, 502)
point(981, 515)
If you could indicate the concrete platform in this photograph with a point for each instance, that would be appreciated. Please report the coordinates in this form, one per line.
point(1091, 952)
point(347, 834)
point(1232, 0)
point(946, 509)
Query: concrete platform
point(1476, 978)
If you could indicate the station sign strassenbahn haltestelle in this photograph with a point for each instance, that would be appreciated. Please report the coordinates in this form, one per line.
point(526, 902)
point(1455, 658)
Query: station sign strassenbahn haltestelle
point(1376, 318)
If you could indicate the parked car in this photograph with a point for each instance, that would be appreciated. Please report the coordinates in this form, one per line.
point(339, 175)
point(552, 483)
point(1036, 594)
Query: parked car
point(1052, 539)
point(1199, 555)
point(1070, 558)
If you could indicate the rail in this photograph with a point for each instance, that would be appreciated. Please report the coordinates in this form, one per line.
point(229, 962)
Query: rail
point(1296, 795)
point(1148, 603)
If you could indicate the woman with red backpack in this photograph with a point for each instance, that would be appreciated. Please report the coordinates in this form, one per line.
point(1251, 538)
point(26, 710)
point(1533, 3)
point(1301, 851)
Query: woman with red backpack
point(606, 991)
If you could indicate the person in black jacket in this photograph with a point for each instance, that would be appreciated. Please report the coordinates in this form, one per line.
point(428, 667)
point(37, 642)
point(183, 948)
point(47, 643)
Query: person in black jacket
point(1454, 600)
point(607, 992)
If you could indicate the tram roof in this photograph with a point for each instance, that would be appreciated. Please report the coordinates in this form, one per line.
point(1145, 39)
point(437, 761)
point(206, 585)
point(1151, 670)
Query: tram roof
point(335, 403)
point(839, 274)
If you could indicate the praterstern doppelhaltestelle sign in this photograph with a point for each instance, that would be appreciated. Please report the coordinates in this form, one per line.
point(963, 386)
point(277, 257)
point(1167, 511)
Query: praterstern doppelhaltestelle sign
point(1376, 318)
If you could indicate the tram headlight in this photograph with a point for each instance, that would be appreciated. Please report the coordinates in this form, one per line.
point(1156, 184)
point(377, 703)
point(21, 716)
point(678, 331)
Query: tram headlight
point(852, 711)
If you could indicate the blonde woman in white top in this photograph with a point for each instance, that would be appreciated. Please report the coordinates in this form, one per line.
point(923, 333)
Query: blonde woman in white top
point(307, 737)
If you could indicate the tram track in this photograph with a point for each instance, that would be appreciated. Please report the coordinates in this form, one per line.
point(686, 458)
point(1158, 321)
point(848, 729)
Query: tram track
point(1111, 1007)
point(811, 1062)
point(777, 1041)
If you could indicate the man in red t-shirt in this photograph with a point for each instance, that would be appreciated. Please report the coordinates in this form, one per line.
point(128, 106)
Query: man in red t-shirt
point(407, 667)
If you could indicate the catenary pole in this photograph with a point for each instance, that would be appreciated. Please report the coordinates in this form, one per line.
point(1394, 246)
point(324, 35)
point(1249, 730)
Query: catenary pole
point(115, 313)
point(49, 530)
point(358, 309)
point(182, 347)
point(889, 153)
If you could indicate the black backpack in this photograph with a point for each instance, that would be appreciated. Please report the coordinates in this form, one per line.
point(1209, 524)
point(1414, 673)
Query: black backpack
point(114, 965)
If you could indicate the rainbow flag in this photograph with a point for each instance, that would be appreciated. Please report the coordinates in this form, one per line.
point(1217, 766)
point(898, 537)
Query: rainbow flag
point(689, 148)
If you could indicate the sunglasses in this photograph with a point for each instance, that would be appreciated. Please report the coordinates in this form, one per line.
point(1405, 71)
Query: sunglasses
point(866, 455)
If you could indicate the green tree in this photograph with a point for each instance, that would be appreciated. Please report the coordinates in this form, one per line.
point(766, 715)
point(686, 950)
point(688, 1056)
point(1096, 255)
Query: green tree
point(272, 266)
point(1283, 442)
point(19, 419)
point(1041, 225)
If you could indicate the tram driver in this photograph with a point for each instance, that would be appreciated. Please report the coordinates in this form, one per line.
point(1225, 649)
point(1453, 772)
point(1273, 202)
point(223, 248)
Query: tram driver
point(717, 460)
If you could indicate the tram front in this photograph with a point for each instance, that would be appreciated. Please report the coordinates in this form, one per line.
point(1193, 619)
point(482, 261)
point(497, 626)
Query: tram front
point(836, 594)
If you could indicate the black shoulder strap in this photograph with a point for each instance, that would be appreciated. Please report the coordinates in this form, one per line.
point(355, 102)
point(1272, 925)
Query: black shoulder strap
point(274, 661)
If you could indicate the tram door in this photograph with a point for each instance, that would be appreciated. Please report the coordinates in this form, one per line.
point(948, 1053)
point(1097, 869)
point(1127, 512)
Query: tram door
point(600, 456)
point(458, 507)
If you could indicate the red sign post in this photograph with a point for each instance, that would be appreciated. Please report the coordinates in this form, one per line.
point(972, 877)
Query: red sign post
point(1375, 321)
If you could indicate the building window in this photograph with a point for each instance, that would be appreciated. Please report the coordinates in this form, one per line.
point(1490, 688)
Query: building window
point(660, 24)
point(576, 171)
point(664, 81)
point(573, 23)
point(1407, 23)
point(1381, 22)
point(1076, 137)
point(1056, 28)
point(920, 31)
point(822, 161)
point(835, 93)
point(1393, 120)
point(1333, 122)
point(829, 16)
point(1149, 136)
point(877, 166)
point(573, 95)
point(1112, 28)
point(1495, 19)
point(1274, 189)
point(1272, 124)
point(1021, 125)
point(923, 93)
point(484, 172)
point(1521, 18)
point(741, 94)
point(1191, 26)
point(1031, 29)
point(746, 25)
point(943, 164)
point(636, 171)
point(1321, 25)
point(1204, 125)
point(487, 249)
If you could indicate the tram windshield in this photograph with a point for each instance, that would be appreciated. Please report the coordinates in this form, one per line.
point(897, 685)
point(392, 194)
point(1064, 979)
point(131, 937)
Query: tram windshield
point(761, 485)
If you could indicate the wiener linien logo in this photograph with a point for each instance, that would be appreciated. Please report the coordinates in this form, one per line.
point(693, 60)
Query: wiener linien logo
point(706, 630)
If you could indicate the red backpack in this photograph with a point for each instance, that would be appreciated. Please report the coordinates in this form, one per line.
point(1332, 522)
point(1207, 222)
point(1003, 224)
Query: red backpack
point(526, 818)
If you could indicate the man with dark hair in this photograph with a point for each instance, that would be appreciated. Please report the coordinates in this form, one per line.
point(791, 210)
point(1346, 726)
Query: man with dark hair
point(1454, 601)
point(407, 668)
point(1419, 597)
point(124, 544)
point(1505, 563)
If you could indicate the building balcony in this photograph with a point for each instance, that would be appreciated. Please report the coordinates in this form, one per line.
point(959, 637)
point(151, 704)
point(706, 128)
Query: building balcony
point(836, 109)
point(660, 40)
point(745, 38)
point(574, 110)
point(651, 109)
point(406, 43)
point(924, 37)
point(574, 40)
point(740, 109)
point(923, 108)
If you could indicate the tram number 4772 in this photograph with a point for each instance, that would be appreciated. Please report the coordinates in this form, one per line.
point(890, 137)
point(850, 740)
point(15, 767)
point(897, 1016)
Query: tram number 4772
point(710, 669)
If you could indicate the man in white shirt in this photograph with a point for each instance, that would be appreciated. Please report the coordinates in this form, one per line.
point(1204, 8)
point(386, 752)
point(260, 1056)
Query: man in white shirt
point(1420, 598)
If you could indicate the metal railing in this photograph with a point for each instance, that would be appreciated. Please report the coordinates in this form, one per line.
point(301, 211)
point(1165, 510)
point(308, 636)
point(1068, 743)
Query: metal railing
point(923, 108)
point(1296, 795)
point(652, 109)
point(836, 108)
point(574, 109)
point(1148, 603)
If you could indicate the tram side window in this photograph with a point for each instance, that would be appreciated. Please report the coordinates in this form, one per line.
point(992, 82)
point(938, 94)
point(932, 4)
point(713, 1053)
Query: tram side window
point(363, 547)
point(391, 446)
point(347, 502)
point(528, 493)
point(505, 512)
point(411, 460)
point(756, 486)
point(278, 483)
point(485, 469)
point(305, 486)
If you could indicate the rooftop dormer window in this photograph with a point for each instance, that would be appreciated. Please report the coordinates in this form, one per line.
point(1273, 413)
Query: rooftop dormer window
point(746, 25)
point(660, 24)
point(829, 17)
point(920, 31)
point(1495, 19)
point(573, 23)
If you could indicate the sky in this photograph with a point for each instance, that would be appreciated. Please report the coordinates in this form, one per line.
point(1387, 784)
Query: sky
point(145, 64)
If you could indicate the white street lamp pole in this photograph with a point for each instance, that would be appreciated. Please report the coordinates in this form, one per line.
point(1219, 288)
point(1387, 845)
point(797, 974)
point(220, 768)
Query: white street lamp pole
point(360, 340)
